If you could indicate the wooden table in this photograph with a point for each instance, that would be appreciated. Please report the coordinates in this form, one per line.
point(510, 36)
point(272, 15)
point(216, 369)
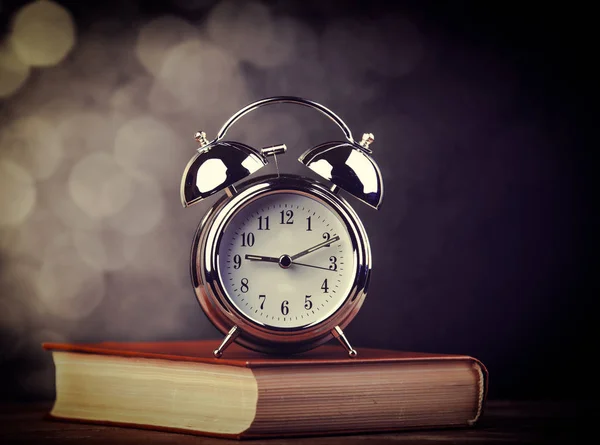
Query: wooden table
point(503, 422)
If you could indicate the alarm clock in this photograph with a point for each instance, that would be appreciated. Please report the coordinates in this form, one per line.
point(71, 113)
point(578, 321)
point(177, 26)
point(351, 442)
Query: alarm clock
point(281, 263)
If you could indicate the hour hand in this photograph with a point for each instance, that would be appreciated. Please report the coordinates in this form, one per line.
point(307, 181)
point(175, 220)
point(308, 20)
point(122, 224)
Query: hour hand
point(268, 259)
point(316, 247)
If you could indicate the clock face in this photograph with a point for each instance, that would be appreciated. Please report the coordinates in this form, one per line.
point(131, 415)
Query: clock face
point(286, 260)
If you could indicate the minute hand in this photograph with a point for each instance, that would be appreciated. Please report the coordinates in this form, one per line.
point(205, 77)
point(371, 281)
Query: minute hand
point(313, 248)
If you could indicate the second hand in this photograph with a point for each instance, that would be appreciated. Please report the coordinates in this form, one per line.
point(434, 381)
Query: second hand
point(310, 265)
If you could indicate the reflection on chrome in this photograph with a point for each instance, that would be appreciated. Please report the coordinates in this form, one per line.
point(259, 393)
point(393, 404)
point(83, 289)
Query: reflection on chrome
point(361, 165)
point(211, 174)
point(323, 167)
point(252, 164)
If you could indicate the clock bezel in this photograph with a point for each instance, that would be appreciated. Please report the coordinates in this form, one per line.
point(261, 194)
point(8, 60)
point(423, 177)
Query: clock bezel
point(213, 298)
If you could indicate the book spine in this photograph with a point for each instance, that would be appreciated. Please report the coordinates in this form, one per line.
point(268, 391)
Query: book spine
point(482, 374)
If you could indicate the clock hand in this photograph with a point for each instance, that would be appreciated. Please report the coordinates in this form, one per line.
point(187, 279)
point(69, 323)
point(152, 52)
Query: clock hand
point(317, 247)
point(268, 259)
point(316, 267)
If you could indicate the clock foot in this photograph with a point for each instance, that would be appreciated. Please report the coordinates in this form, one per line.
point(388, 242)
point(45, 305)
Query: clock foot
point(229, 338)
point(339, 334)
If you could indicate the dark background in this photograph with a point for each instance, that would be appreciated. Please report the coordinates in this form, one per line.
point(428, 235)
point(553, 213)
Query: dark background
point(483, 245)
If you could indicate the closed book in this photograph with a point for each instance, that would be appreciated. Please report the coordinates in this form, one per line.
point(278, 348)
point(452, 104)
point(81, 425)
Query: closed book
point(180, 386)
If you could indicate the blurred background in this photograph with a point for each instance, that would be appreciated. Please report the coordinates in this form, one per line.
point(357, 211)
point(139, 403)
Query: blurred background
point(481, 246)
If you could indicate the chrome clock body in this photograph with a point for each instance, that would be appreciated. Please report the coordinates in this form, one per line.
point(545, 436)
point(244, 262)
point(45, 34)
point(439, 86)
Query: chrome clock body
point(294, 264)
point(220, 305)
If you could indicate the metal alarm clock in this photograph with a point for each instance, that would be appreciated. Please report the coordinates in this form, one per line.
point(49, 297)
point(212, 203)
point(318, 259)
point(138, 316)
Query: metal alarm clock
point(281, 263)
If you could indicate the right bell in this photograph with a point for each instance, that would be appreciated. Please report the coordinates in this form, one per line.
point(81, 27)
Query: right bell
point(349, 167)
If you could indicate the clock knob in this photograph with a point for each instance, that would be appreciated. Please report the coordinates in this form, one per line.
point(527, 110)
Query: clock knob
point(200, 137)
point(367, 139)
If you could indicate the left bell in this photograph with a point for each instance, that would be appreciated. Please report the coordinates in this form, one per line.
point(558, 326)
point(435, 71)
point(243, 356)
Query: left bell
point(216, 166)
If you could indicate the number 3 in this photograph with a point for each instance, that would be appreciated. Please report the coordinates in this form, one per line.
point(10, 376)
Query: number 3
point(333, 265)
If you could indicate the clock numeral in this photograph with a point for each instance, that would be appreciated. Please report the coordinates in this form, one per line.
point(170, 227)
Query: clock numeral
point(309, 220)
point(326, 237)
point(237, 262)
point(262, 303)
point(262, 219)
point(284, 307)
point(325, 287)
point(333, 265)
point(247, 240)
point(244, 287)
point(307, 302)
point(286, 214)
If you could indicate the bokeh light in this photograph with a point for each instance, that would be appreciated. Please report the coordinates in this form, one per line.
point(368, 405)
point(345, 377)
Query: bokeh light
point(200, 67)
point(251, 33)
point(305, 74)
point(85, 132)
point(146, 147)
point(158, 36)
point(28, 239)
point(131, 99)
point(99, 186)
point(64, 209)
point(32, 142)
point(102, 249)
point(13, 72)
point(43, 33)
point(17, 193)
point(145, 210)
point(103, 52)
point(68, 287)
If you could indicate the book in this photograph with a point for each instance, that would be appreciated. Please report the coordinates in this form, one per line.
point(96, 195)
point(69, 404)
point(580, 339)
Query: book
point(180, 386)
